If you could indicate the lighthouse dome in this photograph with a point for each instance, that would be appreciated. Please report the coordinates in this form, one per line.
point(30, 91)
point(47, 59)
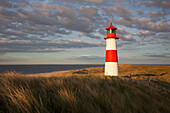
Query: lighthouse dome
point(111, 27)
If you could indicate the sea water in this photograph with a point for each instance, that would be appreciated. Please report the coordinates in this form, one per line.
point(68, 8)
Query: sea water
point(33, 69)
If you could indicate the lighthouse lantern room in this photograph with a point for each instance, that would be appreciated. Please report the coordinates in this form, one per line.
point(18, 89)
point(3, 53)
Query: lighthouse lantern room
point(111, 62)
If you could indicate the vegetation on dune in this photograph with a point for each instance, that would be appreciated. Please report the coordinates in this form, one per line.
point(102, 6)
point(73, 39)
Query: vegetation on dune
point(146, 72)
point(83, 91)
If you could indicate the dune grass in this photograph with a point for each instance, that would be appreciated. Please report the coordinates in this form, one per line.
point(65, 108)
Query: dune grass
point(83, 91)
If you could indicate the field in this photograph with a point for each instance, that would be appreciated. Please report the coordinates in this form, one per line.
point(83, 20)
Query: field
point(138, 89)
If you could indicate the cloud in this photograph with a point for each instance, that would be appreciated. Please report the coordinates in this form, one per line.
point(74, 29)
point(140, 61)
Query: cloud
point(145, 24)
point(41, 46)
point(85, 1)
point(158, 14)
point(140, 12)
point(122, 31)
point(144, 34)
point(124, 22)
point(20, 4)
point(90, 35)
point(128, 48)
point(87, 57)
point(159, 27)
point(164, 4)
point(11, 59)
point(7, 4)
point(120, 11)
point(89, 12)
point(46, 18)
point(163, 55)
point(127, 38)
point(164, 36)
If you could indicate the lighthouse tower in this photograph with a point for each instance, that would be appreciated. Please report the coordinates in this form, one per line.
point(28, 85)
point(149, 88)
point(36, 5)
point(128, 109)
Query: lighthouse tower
point(111, 62)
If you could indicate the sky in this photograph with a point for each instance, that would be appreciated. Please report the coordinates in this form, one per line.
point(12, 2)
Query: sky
point(71, 31)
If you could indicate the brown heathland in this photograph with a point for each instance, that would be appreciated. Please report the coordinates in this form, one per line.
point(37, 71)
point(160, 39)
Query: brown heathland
point(138, 89)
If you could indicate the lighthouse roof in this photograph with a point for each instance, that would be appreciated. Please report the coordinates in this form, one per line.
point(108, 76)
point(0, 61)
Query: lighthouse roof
point(111, 27)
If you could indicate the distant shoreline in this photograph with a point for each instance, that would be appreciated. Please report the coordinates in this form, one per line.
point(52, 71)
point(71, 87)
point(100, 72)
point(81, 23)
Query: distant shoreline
point(40, 69)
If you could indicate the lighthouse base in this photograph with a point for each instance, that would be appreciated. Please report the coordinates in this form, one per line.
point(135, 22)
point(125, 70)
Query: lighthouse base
point(111, 69)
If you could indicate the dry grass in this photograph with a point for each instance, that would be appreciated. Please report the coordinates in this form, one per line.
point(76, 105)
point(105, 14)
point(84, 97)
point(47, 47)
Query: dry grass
point(144, 72)
point(86, 91)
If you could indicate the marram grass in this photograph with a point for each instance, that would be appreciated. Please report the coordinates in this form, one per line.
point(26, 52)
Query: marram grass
point(71, 92)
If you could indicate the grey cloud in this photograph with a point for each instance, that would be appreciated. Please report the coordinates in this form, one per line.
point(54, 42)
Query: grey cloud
point(140, 21)
point(89, 12)
point(63, 43)
point(85, 1)
point(102, 31)
point(119, 11)
point(164, 4)
point(128, 48)
point(163, 55)
point(140, 12)
point(7, 16)
point(11, 59)
point(158, 14)
point(118, 2)
point(90, 36)
point(65, 17)
point(27, 50)
point(164, 36)
point(145, 24)
point(43, 45)
point(7, 4)
point(44, 21)
point(87, 57)
point(27, 30)
point(156, 27)
point(20, 4)
point(122, 31)
point(127, 38)
point(124, 22)
point(144, 34)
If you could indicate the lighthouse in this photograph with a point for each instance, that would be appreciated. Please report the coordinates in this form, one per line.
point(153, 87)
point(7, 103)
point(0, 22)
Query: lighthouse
point(111, 62)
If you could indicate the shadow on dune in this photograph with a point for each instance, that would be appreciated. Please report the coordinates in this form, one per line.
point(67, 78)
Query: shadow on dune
point(137, 75)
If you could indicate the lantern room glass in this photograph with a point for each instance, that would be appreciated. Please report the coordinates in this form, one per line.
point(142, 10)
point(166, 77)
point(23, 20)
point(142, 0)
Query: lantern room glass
point(108, 31)
point(113, 31)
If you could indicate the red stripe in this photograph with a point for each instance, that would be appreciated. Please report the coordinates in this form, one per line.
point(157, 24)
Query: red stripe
point(111, 56)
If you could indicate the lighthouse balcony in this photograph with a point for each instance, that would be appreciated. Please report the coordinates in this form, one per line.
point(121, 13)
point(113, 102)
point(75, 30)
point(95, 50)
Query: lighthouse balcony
point(117, 36)
point(111, 35)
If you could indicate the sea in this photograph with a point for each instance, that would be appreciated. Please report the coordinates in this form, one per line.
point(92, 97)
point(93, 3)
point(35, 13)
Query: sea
point(34, 69)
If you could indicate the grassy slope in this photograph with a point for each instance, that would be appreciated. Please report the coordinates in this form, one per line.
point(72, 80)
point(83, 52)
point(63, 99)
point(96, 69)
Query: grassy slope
point(87, 90)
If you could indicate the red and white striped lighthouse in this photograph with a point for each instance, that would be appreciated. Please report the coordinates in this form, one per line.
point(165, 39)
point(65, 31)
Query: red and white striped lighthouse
point(111, 62)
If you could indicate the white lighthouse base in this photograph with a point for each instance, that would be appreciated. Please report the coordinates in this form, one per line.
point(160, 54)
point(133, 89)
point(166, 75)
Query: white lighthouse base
point(111, 69)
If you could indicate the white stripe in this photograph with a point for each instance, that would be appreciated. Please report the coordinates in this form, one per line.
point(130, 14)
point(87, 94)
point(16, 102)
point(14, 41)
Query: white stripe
point(111, 49)
point(111, 44)
point(111, 69)
point(111, 63)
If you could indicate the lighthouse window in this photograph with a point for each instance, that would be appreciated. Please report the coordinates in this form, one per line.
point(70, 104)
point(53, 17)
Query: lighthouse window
point(113, 31)
point(108, 31)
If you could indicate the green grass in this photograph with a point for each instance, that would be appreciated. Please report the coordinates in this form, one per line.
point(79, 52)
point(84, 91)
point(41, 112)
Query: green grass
point(82, 91)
